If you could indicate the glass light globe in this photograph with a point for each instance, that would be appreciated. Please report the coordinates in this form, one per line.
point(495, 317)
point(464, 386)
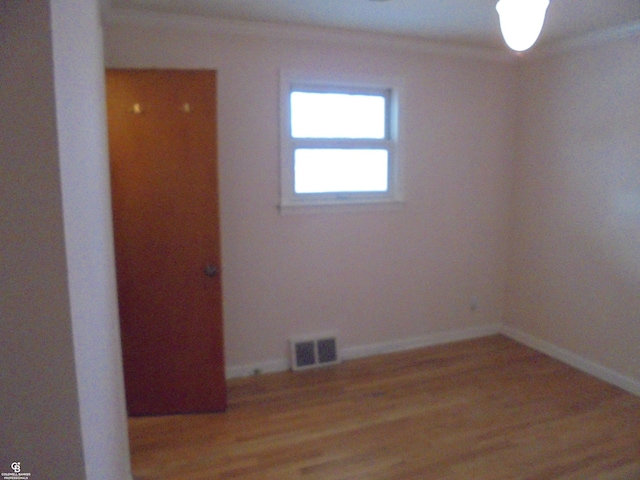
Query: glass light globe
point(521, 21)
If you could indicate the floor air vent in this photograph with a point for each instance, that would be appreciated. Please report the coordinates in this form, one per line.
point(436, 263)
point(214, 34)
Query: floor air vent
point(313, 352)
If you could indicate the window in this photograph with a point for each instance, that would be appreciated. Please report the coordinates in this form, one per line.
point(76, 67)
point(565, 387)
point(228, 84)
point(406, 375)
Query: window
point(339, 143)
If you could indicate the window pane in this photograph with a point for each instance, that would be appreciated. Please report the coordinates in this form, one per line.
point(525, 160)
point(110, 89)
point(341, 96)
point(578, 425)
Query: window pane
point(334, 170)
point(337, 115)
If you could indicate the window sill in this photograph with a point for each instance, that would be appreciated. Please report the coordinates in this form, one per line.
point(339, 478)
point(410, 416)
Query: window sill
point(363, 207)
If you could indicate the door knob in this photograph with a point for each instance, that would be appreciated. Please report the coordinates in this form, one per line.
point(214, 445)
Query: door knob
point(211, 270)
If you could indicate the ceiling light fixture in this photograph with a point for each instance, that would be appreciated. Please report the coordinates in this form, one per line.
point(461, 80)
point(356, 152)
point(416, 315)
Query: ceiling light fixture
point(521, 22)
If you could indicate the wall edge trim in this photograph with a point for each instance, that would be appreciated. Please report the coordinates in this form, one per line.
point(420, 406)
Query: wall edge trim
point(568, 357)
point(401, 345)
point(589, 40)
point(574, 360)
point(362, 351)
point(291, 32)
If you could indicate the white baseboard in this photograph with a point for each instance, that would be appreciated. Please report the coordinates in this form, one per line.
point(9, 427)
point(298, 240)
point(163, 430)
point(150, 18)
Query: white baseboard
point(603, 373)
point(419, 342)
point(349, 353)
point(269, 366)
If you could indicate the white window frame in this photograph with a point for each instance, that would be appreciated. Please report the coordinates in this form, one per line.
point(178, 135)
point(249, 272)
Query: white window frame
point(391, 88)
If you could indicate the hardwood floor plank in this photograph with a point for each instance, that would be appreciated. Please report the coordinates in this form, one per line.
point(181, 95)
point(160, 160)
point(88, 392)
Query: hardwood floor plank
point(485, 409)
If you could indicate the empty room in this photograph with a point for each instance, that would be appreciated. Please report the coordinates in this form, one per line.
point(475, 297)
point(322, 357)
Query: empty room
point(468, 310)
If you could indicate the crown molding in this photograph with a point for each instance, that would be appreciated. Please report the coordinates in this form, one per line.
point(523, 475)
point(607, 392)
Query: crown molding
point(297, 33)
point(591, 40)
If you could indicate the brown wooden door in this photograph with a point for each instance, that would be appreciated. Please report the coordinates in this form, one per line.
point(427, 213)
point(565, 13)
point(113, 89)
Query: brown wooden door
point(162, 144)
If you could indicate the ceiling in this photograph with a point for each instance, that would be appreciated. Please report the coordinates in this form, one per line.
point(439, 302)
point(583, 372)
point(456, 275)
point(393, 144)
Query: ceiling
point(465, 22)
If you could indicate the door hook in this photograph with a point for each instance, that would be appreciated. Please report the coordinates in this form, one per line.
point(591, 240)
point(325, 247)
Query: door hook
point(211, 270)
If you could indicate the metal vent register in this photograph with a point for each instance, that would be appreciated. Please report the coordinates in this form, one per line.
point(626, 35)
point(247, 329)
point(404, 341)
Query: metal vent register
point(313, 352)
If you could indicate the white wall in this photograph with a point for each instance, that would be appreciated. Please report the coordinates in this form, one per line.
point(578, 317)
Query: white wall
point(62, 398)
point(86, 199)
point(575, 268)
point(375, 276)
point(40, 418)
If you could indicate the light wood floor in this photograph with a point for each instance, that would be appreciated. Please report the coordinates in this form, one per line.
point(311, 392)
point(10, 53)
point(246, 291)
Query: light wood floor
point(481, 409)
